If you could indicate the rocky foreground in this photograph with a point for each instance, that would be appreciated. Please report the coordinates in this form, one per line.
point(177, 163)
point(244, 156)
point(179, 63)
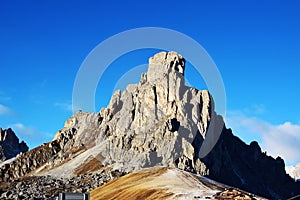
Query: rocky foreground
point(48, 187)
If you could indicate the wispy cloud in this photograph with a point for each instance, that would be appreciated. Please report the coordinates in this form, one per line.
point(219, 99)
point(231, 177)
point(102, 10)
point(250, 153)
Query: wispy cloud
point(64, 106)
point(4, 96)
point(22, 130)
point(277, 139)
point(258, 109)
point(283, 140)
point(4, 110)
point(255, 109)
point(30, 135)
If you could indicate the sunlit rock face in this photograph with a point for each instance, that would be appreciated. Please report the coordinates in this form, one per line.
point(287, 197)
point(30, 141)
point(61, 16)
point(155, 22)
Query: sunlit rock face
point(151, 123)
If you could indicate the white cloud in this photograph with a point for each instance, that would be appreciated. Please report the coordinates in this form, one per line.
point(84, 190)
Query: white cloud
point(22, 130)
point(4, 97)
point(283, 140)
point(258, 109)
point(64, 106)
point(278, 140)
point(30, 135)
point(4, 110)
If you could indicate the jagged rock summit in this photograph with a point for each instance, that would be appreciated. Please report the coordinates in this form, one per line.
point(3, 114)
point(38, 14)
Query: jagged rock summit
point(151, 123)
point(159, 121)
point(9, 144)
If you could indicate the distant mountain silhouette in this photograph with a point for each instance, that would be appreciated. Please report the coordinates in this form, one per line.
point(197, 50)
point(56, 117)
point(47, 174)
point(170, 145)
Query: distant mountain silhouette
point(9, 144)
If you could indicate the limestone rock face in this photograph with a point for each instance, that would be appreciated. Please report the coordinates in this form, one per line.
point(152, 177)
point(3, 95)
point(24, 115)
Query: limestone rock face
point(9, 144)
point(163, 63)
point(151, 123)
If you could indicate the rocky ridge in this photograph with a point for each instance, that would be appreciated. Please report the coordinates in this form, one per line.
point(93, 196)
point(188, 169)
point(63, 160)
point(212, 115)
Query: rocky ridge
point(159, 121)
point(10, 145)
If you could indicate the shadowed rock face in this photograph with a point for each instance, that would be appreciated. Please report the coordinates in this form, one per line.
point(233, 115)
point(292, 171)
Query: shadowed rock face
point(245, 166)
point(159, 121)
point(9, 145)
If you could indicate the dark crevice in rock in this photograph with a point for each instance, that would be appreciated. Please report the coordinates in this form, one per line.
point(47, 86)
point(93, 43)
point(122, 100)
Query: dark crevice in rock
point(155, 94)
point(132, 114)
point(173, 124)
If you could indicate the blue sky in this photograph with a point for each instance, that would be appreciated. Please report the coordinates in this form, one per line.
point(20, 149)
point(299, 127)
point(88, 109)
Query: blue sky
point(255, 45)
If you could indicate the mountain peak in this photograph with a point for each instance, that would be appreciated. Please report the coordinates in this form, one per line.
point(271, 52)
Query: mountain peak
point(9, 144)
point(158, 122)
point(164, 63)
